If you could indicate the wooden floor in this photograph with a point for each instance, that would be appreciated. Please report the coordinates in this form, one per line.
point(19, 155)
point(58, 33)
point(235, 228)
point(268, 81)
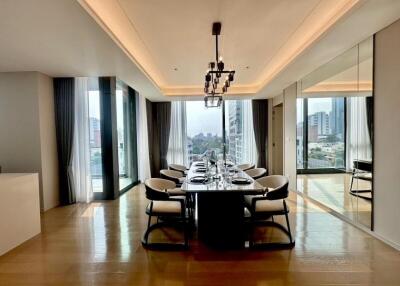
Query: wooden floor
point(332, 190)
point(99, 244)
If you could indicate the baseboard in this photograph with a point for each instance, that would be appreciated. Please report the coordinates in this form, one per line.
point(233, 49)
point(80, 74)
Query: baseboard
point(349, 221)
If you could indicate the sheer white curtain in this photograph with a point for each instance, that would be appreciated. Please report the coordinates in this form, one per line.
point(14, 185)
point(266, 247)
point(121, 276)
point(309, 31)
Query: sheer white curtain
point(249, 144)
point(81, 152)
point(143, 140)
point(358, 141)
point(177, 148)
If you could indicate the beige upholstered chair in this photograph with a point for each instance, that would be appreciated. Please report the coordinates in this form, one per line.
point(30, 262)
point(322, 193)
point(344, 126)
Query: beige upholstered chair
point(256, 173)
point(177, 167)
point(173, 175)
point(245, 167)
point(264, 207)
point(170, 209)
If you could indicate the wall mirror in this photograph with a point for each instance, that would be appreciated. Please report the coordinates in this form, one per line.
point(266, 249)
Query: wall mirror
point(335, 134)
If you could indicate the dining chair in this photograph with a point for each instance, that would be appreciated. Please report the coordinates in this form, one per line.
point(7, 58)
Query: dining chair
point(245, 167)
point(362, 170)
point(177, 167)
point(265, 207)
point(169, 211)
point(256, 173)
point(173, 175)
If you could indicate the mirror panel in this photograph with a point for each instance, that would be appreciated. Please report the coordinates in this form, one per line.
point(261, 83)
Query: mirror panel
point(334, 134)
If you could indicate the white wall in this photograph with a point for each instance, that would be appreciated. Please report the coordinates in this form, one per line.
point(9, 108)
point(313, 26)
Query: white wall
point(289, 136)
point(387, 134)
point(27, 141)
point(48, 143)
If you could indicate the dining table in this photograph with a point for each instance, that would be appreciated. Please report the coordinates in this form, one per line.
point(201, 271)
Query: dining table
point(220, 207)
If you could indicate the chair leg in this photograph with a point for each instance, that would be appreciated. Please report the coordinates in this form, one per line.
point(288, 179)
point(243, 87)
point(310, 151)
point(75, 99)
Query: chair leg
point(288, 227)
point(352, 179)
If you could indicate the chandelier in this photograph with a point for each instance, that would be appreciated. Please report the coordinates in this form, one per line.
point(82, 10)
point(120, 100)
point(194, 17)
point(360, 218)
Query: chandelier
point(215, 86)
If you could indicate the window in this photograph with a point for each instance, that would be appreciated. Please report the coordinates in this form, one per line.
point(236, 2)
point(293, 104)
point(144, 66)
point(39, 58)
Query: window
point(95, 141)
point(321, 130)
point(239, 132)
point(204, 129)
point(126, 122)
point(201, 130)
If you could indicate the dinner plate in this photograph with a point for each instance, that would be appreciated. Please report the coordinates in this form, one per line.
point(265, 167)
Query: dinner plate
point(240, 181)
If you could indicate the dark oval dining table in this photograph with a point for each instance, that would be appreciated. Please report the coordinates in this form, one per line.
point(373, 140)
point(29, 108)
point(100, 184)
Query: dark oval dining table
point(220, 207)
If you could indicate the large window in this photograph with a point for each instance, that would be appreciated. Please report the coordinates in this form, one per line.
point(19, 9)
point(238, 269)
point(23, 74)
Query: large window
point(202, 129)
point(126, 138)
point(321, 133)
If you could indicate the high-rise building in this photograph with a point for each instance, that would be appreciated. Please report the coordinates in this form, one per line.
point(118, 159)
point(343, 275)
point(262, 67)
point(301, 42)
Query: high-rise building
point(235, 127)
point(320, 120)
point(336, 117)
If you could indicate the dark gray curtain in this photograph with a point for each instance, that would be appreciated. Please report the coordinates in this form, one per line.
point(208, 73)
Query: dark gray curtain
point(159, 124)
point(369, 101)
point(164, 125)
point(64, 103)
point(260, 123)
point(152, 142)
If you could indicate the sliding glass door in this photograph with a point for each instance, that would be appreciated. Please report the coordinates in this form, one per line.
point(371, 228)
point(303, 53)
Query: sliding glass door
point(126, 126)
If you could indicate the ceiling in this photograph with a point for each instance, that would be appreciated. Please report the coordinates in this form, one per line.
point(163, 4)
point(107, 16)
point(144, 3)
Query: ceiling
point(59, 38)
point(172, 41)
point(143, 41)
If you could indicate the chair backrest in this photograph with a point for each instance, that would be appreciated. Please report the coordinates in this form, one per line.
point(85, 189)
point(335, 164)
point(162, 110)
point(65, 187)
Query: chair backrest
point(177, 167)
point(278, 186)
point(171, 175)
point(245, 167)
point(156, 188)
point(256, 173)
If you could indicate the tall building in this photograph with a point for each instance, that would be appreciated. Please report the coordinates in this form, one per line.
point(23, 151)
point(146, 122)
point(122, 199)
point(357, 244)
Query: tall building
point(235, 127)
point(336, 117)
point(320, 121)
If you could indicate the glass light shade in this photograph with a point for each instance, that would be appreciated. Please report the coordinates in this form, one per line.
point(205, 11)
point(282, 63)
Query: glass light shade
point(212, 101)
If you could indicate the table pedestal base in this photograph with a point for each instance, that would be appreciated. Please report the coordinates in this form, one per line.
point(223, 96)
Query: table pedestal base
point(221, 219)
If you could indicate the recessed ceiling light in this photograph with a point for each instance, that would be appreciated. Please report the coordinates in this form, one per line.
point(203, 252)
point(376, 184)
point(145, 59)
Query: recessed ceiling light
point(247, 67)
point(175, 69)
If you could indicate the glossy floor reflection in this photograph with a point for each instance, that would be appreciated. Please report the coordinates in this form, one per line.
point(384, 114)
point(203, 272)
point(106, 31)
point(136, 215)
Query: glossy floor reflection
point(99, 244)
point(332, 190)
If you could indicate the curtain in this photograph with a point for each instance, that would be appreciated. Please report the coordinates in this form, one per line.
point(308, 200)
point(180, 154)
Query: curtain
point(177, 147)
point(249, 144)
point(152, 138)
point(64, 101)
point(357, 136)
point(159, 124)
point(260, 124)
point(143, 140)
point(164, 125)
point(81, 152)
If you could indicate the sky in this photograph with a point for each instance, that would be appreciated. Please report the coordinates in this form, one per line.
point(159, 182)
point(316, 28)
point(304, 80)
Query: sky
point(201, 119)
point(315, 105)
